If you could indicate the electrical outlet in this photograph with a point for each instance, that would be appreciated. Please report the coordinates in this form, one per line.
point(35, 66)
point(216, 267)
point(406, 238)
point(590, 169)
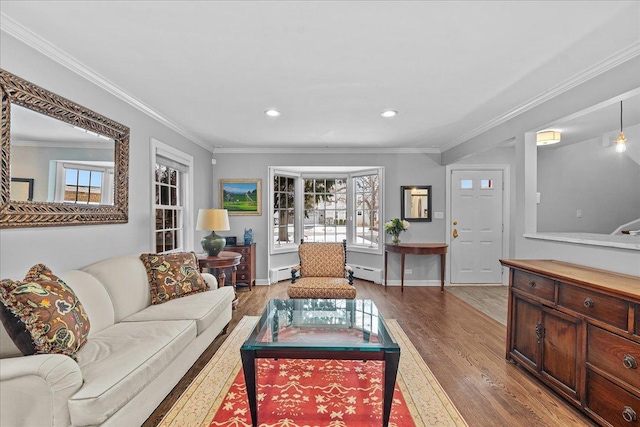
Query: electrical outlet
point(408, 271)
point(579, 213)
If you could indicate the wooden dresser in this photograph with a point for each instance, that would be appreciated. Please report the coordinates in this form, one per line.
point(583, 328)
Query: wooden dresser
point(577, 329)
point(246, 274)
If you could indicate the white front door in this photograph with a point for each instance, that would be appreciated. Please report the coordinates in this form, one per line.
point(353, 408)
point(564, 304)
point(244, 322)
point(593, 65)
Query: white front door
point(476, 226)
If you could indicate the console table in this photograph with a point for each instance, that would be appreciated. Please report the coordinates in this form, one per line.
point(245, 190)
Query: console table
point(225, 259)
point(416, 249)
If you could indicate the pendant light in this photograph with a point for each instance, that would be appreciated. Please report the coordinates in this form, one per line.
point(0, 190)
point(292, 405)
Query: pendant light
point(621, 141)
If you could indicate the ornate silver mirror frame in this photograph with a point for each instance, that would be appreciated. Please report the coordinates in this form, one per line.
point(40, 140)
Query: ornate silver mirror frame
point(13, 214)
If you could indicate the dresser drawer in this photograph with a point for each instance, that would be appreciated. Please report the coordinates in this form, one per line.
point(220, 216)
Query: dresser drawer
point(611, 402)
point(243, 277)
point(242, 267)
point(610, 310)
point(613, 354)
point(637, 316)
point(533, 284)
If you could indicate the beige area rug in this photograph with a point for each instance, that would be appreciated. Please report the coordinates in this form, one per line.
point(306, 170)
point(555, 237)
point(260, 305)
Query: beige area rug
point(427, 402)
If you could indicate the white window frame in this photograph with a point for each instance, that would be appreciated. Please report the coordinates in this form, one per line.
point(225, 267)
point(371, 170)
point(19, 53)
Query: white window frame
point(328, 172)
point(160, 149)
point(107, 189)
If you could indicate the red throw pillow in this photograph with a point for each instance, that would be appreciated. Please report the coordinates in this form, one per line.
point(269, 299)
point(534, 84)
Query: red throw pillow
point(173, 276)
point(42, 314)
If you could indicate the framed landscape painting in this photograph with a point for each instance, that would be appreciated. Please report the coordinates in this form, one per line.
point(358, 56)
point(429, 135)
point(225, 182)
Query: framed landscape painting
point(241, 196)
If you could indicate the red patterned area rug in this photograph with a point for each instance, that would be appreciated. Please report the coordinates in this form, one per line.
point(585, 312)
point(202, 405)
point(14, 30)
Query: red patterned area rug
point(312, 393)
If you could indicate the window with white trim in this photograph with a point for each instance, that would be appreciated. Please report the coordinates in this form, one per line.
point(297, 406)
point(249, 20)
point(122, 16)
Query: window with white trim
point(171, 199)
point(84, 182)
point(325, 205)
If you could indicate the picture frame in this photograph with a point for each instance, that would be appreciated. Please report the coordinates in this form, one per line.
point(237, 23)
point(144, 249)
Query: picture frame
point(241, 196)
point(22, 189)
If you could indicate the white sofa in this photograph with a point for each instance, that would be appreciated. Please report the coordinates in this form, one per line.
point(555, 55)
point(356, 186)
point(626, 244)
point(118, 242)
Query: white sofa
point(135, 353)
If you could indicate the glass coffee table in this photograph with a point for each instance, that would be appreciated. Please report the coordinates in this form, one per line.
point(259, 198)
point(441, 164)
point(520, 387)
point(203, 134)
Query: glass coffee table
point(321, 329)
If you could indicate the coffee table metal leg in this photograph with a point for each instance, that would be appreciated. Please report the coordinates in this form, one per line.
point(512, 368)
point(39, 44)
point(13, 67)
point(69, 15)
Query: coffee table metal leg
point(390, 372)
point(250, 380)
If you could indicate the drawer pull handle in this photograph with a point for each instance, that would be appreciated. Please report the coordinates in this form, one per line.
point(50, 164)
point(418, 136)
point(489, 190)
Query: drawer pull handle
point(629, 414)
point(532, 284)
point(629, 362)
point(588, 303)
point(539, 332)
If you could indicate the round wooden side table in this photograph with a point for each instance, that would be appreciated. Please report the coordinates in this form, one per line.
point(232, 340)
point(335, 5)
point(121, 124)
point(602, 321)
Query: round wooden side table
point(224, 260)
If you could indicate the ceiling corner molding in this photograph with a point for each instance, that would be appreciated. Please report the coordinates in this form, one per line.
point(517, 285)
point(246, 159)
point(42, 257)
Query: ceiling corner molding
point(601, 67)
point(28, 37)
point(322, 150)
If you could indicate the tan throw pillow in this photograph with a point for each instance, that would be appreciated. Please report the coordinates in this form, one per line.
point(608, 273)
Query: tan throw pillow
point(173, 276)
point(42, 314)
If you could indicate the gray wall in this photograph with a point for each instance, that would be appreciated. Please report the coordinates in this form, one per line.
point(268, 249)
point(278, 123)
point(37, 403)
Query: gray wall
point(590, 177)
point(400, 169)
point(33, 162)
point(617, 80)
point(64, 248)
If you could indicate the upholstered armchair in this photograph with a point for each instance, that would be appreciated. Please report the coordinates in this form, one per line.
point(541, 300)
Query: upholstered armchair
point(322, 273)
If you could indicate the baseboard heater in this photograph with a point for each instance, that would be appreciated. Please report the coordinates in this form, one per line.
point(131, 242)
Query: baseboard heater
point(367, 273)
point(278, 274)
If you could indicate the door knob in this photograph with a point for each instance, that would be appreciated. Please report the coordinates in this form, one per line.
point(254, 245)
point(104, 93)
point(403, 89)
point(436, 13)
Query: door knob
point(455, 233)
point(455, 222)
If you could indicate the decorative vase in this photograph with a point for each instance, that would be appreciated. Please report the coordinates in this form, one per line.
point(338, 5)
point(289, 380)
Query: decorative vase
point(396, 239)
point(248, 236)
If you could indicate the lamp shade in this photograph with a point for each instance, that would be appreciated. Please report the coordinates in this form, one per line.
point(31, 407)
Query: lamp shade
point(548, 137)
point(213, 220)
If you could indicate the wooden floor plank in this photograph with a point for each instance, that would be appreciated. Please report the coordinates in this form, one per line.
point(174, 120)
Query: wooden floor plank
point(464, 348)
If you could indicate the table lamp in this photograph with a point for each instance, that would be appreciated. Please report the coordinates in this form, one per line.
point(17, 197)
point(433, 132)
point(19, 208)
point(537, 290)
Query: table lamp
point(213, 220)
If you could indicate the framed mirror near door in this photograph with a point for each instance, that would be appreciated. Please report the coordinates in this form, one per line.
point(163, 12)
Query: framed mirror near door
point(416, 202)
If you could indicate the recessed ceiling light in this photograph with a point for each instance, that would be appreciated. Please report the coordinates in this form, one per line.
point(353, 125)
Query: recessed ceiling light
point(272, 113)
point(389, 113)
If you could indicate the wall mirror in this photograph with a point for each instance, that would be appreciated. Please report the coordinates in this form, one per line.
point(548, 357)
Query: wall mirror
point(416, 202)
point(62, 164)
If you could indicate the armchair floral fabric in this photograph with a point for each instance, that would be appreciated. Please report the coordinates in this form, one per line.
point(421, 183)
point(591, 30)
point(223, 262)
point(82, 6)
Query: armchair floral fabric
point(322, 273)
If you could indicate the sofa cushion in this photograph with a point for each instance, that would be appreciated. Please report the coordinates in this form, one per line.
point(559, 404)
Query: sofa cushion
point(42, 314)
point(204, 308)
point(173, 276)
point(115, 371)
point(125, 279)
point(95, 299)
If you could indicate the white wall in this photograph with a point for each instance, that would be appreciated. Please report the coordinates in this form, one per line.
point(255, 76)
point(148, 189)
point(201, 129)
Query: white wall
point(64, 248)
point(400, 169)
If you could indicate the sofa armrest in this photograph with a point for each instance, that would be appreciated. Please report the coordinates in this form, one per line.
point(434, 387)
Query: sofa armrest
point(211, 280)
point(36, 389)
point(294, 273)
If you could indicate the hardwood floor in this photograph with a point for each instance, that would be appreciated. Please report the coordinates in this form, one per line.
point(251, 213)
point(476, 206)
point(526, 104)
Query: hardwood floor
point(464, 348)
point(491, 300)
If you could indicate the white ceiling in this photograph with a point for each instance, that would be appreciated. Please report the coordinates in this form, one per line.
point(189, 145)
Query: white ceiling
point(452, 69)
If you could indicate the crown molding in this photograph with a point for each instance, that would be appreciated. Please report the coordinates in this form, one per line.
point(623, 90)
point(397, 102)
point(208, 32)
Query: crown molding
point(601, 67)
point(323, 150)
point(28, 37)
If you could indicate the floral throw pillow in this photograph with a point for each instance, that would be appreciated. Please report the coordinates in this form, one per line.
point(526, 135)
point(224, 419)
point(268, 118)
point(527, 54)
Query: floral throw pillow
point(173, 276)
point(42, 314)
